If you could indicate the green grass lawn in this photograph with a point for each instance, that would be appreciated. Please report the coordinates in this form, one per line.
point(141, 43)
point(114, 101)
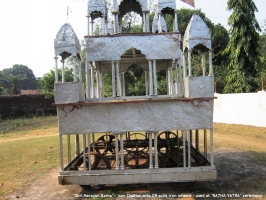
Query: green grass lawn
point(30, 147)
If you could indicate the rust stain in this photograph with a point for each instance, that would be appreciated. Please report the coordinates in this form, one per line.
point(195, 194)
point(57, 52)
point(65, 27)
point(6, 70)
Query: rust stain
point(73, 108)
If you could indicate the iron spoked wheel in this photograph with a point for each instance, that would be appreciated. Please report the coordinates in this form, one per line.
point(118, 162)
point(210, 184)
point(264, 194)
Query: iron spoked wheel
point(110, 146)
point(167, 141)
point(137, 148)
point(175, 159)
point(98, 162)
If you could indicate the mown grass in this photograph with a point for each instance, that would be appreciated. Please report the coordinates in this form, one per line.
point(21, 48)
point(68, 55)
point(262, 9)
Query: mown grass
point(30, 147)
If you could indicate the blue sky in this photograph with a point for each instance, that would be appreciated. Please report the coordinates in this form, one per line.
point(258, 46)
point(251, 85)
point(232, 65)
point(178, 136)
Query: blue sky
point(30, 26)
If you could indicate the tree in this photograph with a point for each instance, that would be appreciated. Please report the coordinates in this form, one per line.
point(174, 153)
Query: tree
point(47, 83)
point(243, 47)
point(20, 75)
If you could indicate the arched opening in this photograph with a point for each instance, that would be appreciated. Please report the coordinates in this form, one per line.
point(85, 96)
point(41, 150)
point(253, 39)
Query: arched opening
point(169, 16)
point(133, 70)
point(129, 18)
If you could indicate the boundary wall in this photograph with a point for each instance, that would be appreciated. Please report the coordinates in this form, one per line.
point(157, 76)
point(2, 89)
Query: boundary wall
point(241, 108)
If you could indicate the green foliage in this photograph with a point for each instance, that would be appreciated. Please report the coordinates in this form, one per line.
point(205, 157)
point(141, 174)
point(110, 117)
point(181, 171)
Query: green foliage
point(135, 81)
point(17, 78)
point(243, 47)
point(47, 83)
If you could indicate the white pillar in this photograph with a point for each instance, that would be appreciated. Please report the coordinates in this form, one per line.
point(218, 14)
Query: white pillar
point(116, 152)
point(147, 82)
point(203, 64)
point(156, 152)
point(63, 71)
point(118, 82)
point(184, 63)
point(115, 22)
point(177, 72)
point(184, 149)
point(144, 22)
point(88, 28)
point(160, 23)
point(122, 152)
point(176, 23)
point(150, 77)
point(150, 149)
point(210, 64)
point(123, 84)
point(211, 147)
point(189, 64)
point(113, 79)
point(92, 27)
point(75, 68)
point(87, 79)
point(147, 23)
point(170, 80)
point(56, 69)
point(80, 74)
point(188, 148)
point(92, 81)
point(97, 84)
point(155, 77)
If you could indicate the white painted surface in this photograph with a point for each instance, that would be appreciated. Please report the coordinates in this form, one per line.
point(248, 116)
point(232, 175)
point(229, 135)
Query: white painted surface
point(196, 33)
point(135, 116)
point(153, 46)
point(201, 86)
point(70, 92)
point(66, 41)
point(244, 108)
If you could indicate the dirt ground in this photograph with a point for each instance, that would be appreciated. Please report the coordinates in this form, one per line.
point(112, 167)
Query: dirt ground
point(239, 174)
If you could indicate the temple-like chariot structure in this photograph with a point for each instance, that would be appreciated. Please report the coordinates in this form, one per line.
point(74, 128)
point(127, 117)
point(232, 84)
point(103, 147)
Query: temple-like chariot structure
point(122, 139)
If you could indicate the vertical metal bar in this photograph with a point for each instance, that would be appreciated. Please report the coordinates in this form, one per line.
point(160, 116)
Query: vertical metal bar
point(116, 152)
point(197, 140)
point(150, 149)
point(155, 150)
point(211, 146)
point(84, 151)
point(188, 147)
point(144, 21)
point(97, 84)
point(75, 68)
point(147, 83)
point(176, 79)
point(118, 82)
point(56, 69)
point(150, 77)
point(190, 133)
point(155, 77)
point(93, 140)
point(210, 64)
point(88, 80)
point(203, 64)
point(92, 82)
point(63, 71)
point(123, 84)
point(89, 151)
point(68, 149)
point(122, 152)
point(61, 152)
point(77, 145)
point(80, 72)
point(184, 148)
point(205, 144)
point(177, 135)
point(113, 79)
point(147, 23)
